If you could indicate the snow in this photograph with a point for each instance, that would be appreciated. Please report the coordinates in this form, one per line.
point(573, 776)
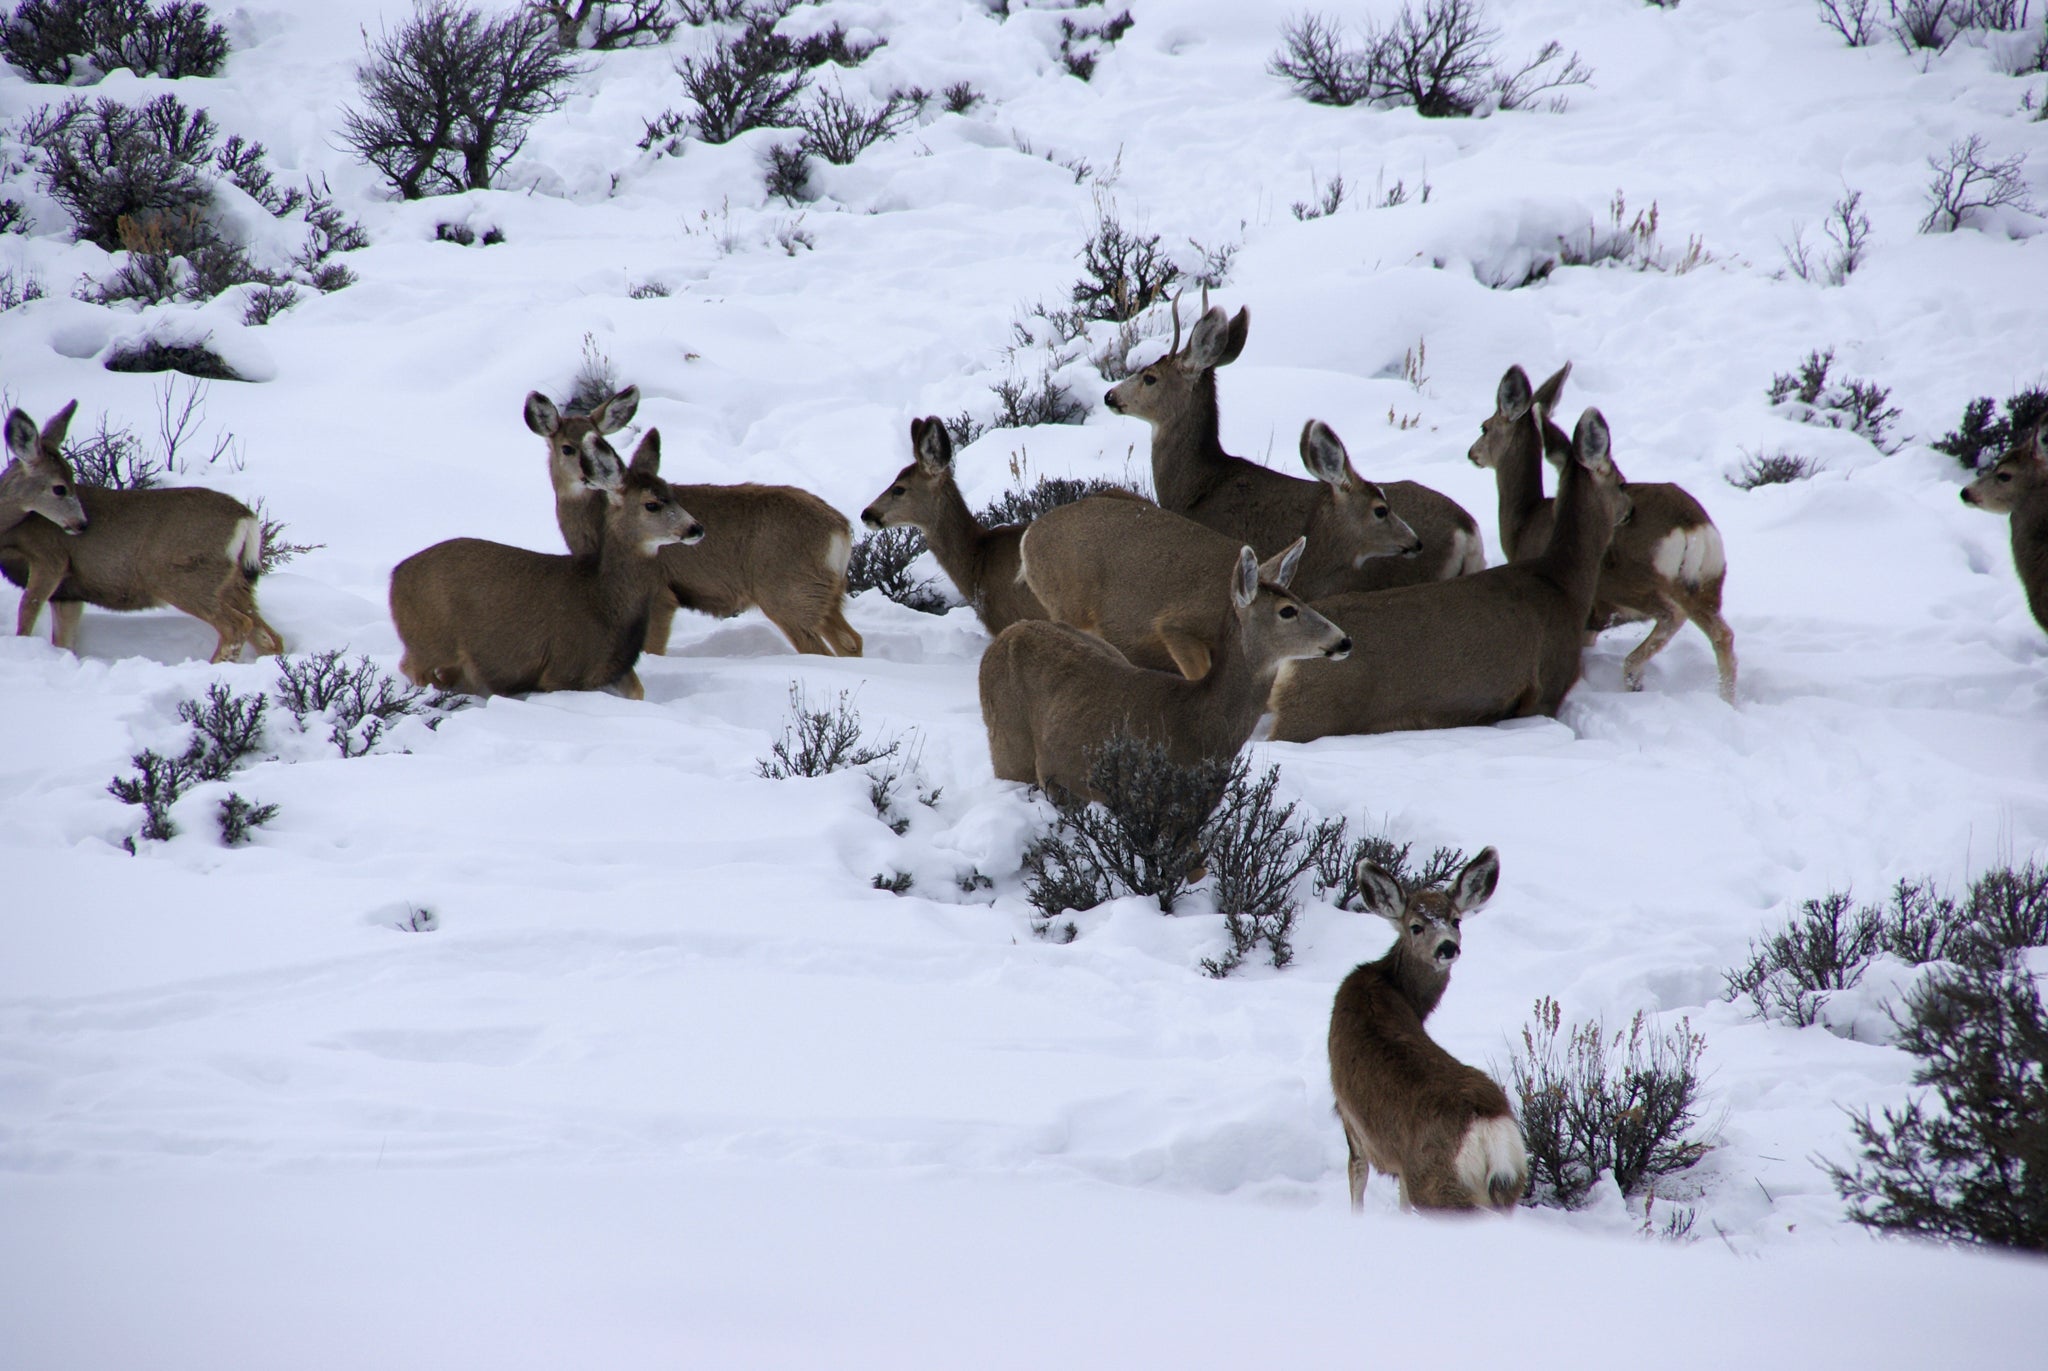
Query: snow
point(670, 1077)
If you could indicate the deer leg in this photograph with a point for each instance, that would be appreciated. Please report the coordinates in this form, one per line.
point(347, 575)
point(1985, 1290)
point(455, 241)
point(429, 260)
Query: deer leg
point(844, 637)
point(802, 638)
point(629, 686)
point(661, 619)
point(42, 583)
point(1723, 638)
point(64, 617)
point(1670, 618)
point(268, 642)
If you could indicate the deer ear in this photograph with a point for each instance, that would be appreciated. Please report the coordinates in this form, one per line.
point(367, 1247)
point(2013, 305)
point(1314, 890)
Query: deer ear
point(600, 465)
point(616, 412)
point(1592, 445)
point(2037, 446)
point(1280, 568)
point(932, 444)
point(1475, 884)
point(54, 430)
point(1244, 581)
point(647, 456)
point(21, 437)
point(1215, 340)
point(1512, 396)
point(1547, 393)
point(541, 415)
point(1322, 452)
point(1380, 893)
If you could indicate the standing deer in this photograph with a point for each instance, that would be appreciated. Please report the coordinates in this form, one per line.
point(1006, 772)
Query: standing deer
point(1052, 696)
point(1151, 583)
point(1193, 475)
point(775, 548)
point(1499, 644)
point(1667, 562)
point(982, 562)
point(1411, 1110)
point(193, 549)
point(487, 619)
point(2017, 484)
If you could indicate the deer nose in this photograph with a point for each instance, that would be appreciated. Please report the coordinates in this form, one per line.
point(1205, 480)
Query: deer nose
point(871, 518)
point(1968, 498)
point(1341, 651)
point(1109, 399)
point(1447, 951)
point(694, 533)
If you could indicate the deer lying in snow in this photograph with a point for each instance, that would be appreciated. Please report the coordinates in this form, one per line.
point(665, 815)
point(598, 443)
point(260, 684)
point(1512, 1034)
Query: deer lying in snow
point(1151, 583)
point(1499, 644)
point(487, 619)
point(1666, 563)
point(71, 546)
point(1193, 475)
point(2017, 484)
point(981, 562)
point(1411, 1110)
point(776, 548)
point(1052, 696)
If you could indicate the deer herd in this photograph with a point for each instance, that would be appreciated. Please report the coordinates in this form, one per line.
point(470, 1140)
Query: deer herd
point(1333, 604)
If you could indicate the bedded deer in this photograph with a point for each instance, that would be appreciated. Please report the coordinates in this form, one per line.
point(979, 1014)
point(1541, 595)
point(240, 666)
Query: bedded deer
point(1193, 475)
point(1474, 650)
point(487, 619)
point(1666, 565)
point(1151, 583)
point(1443, 1130)
point(981, 562)
point(2017, 484)
point(194, 549)
point(776, 548)
point(1052, 696)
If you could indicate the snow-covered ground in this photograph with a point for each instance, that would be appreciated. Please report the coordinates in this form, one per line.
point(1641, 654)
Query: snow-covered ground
point(671, 1079)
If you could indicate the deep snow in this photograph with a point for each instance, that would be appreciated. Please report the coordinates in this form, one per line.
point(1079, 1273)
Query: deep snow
point(671, 1076)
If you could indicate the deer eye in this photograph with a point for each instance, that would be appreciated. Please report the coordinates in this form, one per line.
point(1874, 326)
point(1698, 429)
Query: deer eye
point(2005, 476)
point(1415, 929)
point(1288, 611)
point(568, 449)
point(896, 490)
point(1150, 379)
point(1379, 512)
point(57, 491)
point(652, 506)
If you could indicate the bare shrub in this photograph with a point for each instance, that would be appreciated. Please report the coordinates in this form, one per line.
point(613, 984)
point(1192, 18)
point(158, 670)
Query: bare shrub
point(1337, 867)
point(1847, 228)
point(1020, 505)
point(605, 25)
point(787, 172)
point(839, 128)
point(1812, 397)
point(1440, 62)
point(1856, 20)
point(1314, 60)
point(1973, 1167)
point(1966, 184)
point(1124, 272)
point(597, 378)
point(61, 42)
point(1257, 857)
point(447, 99)
point(1595, 1104)
point(1630, 242)
point(819, 740)
point(359, 703)
point(1980, 437)
point(1327, 198)
point(105, 161)
point(960, 97)
point(1082, 45)
point(745, 81)
point(881, 561)
point(1024, 405)
point(227, 729)
point(1772, 469)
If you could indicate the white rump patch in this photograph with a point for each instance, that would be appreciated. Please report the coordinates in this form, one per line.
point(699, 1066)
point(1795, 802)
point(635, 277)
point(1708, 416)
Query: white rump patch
point(837, 549)
point(1468, 554)
point(1492, 1151)
point(245, 545)
point(1690, 556)
point(1712, 561)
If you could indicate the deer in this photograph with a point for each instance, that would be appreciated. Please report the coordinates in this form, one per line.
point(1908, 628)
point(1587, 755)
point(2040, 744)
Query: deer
point(776, 548)
point(1502, 643)
point(1666, 565)
point(483, 618)
point(983, 563)
point(1443, 1130)
point(2017, 484)
point(1193, 475)
point(1053, 696)
point(194, 549)
point(1151, 583)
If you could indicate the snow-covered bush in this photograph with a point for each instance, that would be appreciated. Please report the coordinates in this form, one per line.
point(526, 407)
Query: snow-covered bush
point(1337, 867)
point(1024, 405)
point(192, 358)
point(1811, 397)
point(359, 703)
point(1439, 62)
point(881, 560)
point(1593, 1104)
point(1123, 272)
point(1969, 1164)
point(1257, 856)
point(62, 42)
point(1856, 20)
point(819, 740)
point(1082, 45)
point(1631, 242)
point(227, 729)
point(1981, 438)
point(839, 128)
point(1772, 469)
point(1965, 184)
point(447, 98)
